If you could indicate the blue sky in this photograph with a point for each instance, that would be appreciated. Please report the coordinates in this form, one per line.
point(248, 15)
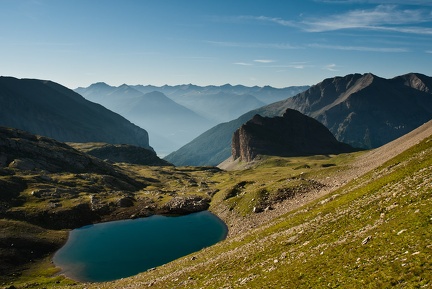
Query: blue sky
point(278, 43)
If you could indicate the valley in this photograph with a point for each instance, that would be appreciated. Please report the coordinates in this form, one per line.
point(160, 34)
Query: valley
point(175, 115)
point(216, 144)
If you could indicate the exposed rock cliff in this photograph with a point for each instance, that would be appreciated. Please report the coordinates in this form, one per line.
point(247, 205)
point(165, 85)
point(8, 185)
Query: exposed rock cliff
point(293, 134)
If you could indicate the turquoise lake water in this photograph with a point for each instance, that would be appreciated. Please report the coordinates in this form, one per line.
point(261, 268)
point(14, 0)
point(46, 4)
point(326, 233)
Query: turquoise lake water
point(114, 250)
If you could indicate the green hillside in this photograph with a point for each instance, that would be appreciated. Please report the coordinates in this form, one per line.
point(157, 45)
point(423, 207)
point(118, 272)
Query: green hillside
point(373, 232)
point(357, 220)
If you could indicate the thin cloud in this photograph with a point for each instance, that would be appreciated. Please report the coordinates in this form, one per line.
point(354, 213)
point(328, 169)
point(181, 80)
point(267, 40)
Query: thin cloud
point(243, 63)
point(253, 45)
point(331, 67)
point(276, 20)
point(404, 2)
point(428, 51)
point(360, 48)
point(381, 18)
point(264, 60)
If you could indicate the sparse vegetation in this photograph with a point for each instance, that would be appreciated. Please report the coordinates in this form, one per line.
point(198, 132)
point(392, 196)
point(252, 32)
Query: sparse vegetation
point(374, 232)
point(286, 231)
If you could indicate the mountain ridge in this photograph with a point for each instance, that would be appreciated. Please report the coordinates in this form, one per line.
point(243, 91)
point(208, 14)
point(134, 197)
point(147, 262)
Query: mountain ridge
point(50, 109)
point(355, 108)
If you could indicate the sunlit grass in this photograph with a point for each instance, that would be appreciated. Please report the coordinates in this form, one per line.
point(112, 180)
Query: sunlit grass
point(374, 232)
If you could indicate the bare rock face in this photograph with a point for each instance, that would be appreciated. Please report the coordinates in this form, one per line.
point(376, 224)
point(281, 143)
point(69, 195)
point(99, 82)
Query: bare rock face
point(186, 205)
point(293, 134)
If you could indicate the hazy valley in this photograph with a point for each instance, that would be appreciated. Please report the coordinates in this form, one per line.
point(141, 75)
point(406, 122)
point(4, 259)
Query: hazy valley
point(175, 115)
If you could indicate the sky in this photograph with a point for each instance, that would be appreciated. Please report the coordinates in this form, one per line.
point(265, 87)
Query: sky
point(265, 42)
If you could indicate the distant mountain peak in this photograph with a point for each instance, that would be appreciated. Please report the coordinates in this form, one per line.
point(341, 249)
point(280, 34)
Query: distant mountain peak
point(99, 84)
point(417, 81)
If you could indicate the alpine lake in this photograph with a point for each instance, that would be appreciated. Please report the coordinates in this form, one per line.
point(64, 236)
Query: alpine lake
point(114, 250)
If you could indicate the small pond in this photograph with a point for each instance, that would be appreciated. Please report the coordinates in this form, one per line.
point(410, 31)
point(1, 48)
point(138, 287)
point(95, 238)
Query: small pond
point(114, 250)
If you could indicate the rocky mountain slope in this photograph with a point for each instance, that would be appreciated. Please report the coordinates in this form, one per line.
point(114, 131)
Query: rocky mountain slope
point(293, 134)
point(49, 109)
point(362, 110)
point(121, 153)
point(366, 110)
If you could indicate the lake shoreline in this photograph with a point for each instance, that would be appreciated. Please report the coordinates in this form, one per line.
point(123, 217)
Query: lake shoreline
point(201, 230)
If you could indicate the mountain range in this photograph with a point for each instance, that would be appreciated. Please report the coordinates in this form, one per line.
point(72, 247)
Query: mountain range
point(226, 102)
point(175, 115)
point(50, 109)
point(169, 124)
point(362, 110)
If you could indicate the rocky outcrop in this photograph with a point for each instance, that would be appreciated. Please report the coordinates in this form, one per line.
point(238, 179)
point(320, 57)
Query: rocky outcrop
point(417, 81)
point(293, 134)
point(121, 153)
point(185, 205)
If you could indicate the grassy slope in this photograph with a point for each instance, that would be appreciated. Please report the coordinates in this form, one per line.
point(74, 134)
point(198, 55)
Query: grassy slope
point(374, 232)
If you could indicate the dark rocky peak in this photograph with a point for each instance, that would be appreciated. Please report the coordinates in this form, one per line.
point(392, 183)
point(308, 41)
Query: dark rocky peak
point(327, 91)
point(416, 80)
point(293, 134)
